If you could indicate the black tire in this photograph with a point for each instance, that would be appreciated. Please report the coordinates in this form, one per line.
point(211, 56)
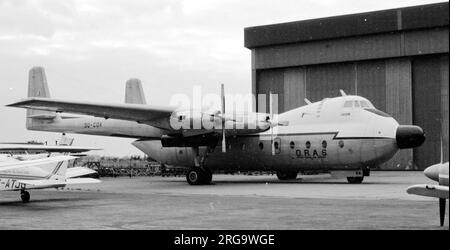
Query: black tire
point(193, 176)
point(288, 175)
point(25, 196)
point(199, 176)
point(207, 176)
point(355, 180)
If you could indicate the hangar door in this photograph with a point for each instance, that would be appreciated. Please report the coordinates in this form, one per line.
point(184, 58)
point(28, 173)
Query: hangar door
point(426, 72)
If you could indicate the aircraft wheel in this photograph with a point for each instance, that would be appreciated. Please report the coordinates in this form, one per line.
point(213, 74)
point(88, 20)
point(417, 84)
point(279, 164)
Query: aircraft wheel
point(25, 196)
point(198, 176)
point(355, 180)
point(288, 175)
point(194, 176)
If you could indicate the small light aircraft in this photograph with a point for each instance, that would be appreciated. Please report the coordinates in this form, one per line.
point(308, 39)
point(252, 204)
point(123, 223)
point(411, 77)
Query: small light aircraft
point(344, 135)
point(41, 172)
point(439, 173)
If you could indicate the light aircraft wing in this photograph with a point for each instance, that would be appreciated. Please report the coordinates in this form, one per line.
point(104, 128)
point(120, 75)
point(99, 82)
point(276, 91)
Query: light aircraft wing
point(42, 183)
point(141, 113)
point(32, 163)
point(76, 181)
point(51, 149)
point(57, 183)
point(78, 171)
point(429, 190)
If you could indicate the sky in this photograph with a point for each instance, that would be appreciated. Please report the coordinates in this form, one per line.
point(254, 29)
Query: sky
point(89, 49)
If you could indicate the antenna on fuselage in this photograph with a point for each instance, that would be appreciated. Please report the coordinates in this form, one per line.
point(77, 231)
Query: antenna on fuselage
point(342, 92)
point(307, 101)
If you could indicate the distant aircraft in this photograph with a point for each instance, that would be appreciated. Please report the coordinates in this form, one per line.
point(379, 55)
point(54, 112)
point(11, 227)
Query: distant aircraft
point(439, 173)
point(344, 135)
point(47, 172)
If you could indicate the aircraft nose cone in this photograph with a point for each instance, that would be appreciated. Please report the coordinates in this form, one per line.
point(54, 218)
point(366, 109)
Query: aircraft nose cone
point(409, 136)
point(432, 172)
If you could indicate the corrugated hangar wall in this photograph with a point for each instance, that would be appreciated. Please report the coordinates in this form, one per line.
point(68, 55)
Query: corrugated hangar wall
point(403, 72)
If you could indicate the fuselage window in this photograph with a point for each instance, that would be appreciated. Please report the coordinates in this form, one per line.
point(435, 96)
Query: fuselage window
point(341, 144)
point(308, 144)
point(261, 145)
point(243, 146)
point(292, 145)
point(324, 144)
point(276, 145)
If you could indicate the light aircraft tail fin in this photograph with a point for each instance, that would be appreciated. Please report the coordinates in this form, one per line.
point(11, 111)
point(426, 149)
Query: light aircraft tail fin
point(134, 93)
point(38, 87)
point(60, 170)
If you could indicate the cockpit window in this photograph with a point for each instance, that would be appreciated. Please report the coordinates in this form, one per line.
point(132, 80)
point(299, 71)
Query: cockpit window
point(358, 104)
point(365, 104)
point(348, 104)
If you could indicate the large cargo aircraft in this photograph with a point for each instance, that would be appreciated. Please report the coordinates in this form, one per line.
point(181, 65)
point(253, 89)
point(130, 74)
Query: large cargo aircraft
point(344, 135)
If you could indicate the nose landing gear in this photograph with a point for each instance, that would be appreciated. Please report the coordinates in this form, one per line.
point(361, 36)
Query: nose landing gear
point(355, 180)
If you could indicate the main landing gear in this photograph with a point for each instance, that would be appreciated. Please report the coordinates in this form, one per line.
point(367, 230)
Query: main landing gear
point(25, 196)
point(286, 175)
point(199, 174)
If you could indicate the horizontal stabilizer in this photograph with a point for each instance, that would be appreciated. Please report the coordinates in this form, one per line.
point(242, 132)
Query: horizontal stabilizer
point(76, 181)
point(79, 171)
point(429, 190)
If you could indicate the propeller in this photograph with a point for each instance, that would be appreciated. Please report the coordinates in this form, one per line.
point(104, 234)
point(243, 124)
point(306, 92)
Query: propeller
point(222, 100)
point(442, 205)
point(442, 201)
point(271, 119)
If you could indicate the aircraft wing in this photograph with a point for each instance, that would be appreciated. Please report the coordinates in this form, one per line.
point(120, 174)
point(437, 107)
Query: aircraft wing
point(78, 171)
point(51, 149)
point(32, 163)
point(429, 190)
point(156, 116)
point(43, 183)
point(148, 114)
point(76, 181)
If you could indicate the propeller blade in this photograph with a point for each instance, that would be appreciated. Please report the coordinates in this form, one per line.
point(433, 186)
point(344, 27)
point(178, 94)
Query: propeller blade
point(442, 210)
point(222, 99)
point(271, 122)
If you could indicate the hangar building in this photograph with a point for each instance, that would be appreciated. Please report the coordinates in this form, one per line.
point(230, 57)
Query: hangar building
point(397, 58)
